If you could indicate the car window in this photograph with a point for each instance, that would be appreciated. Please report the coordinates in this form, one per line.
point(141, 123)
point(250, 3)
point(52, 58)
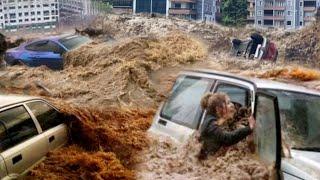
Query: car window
point(35, 46)
point(72, 42)
point(4, 138)
point(47, 116)
point(45, 46)
point(237, 94)
point(183, 106)
point(265, 131)
point(19, 125)
point(300, 119)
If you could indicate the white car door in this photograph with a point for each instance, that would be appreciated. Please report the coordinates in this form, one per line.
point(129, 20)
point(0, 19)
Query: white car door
point(51, 123)
point(21, 144)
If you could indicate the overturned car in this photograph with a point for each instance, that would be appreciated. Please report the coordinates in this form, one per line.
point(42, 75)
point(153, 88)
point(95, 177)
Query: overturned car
point(256, 47)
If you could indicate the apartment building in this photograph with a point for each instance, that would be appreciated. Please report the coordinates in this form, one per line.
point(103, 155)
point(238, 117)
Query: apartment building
point(75, 12)
point(206, 10)
point(121, 6)
point(75, 7)
point(28, 14)
point(288, 14)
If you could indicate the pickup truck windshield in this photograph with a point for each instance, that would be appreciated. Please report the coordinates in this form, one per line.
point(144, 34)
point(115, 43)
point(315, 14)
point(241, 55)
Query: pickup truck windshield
point(183, 106)
point(300, 119)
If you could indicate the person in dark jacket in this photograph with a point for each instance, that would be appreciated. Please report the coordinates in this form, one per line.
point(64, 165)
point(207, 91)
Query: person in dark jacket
point(212, 135)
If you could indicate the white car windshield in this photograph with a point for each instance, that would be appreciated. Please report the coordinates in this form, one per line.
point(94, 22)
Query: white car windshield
point(300, 119)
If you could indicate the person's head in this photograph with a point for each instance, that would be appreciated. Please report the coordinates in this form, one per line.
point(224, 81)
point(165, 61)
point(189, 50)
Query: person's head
point(218, 104)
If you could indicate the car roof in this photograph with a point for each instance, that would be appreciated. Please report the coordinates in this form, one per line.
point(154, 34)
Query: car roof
point(53, 38)
point(261, 83)
point(7, 100)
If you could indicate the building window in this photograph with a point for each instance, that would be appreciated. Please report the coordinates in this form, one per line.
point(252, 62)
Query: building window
point(177, 5)
point(301, 23)
point(289, 23)
point(289, 13)
point(259, 22)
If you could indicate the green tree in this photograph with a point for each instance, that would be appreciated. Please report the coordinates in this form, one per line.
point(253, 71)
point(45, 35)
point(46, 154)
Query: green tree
point(234, 12)
point(102, 7)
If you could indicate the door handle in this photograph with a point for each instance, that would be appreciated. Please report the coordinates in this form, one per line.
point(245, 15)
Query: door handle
point(16, 159)
point(162, 122)
point(51, 139)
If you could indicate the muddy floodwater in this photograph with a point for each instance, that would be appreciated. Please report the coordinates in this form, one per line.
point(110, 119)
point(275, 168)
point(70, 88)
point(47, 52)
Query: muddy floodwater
point(167, 159)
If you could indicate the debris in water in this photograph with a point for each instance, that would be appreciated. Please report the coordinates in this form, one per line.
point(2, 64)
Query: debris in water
point(297, 73)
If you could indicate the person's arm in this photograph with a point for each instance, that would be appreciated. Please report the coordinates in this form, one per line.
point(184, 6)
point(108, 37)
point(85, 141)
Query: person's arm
point(233, 137)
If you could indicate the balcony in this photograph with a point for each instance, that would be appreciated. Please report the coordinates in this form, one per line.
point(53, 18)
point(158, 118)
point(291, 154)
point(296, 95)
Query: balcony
point(181, 11)
point(184, 1)
point(309, 9)
point(250, 17)
point(309, 18)
point(278, 18)
point(278, 8)
point(250, 8)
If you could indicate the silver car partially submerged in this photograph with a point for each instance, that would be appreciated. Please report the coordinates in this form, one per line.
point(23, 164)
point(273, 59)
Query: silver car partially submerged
point(287, 132)
point(30, 127)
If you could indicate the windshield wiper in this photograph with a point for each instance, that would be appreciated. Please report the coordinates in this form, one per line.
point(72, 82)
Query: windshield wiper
point(307, 148)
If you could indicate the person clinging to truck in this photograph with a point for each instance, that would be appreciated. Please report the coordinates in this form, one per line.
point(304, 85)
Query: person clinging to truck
point(219, 110)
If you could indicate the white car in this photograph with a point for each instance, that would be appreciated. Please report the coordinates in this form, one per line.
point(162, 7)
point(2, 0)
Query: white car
point(284, 113)
point(30, 127)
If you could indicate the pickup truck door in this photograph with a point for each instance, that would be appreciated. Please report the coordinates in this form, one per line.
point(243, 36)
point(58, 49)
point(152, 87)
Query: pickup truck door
point(267, 133)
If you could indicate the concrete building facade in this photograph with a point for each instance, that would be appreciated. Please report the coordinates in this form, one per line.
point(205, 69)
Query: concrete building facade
point(28, 14)
point(288, 14)
point(205, 10)
point(75, 7)
point(74, 12)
